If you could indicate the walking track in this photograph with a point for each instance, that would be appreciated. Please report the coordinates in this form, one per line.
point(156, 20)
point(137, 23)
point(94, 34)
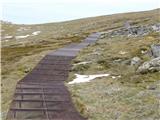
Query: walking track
point(42, 95)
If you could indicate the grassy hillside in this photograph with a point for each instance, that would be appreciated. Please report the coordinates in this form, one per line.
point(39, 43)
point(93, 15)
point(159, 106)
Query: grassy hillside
point(20, 55)
point(128, 97)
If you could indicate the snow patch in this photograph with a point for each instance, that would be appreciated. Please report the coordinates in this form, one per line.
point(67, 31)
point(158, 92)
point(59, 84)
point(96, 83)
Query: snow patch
point(86, 78)
point(24, 36)
point(82, 63)
point(36, 32)
point(8, 37)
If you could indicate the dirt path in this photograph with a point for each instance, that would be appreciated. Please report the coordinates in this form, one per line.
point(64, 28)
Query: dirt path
point(42, 95)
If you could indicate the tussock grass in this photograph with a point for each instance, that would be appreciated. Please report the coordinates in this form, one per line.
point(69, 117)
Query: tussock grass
point(124, 98)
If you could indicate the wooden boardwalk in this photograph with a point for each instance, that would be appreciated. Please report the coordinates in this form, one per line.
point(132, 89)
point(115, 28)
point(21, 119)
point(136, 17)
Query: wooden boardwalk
point(42, 95)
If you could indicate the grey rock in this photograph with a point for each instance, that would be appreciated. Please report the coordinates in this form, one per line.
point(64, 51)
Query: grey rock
point(27, 70)
point(132, 31)
point(127, 25)
point(102, 36)
point(150, 66)
point(136, 61)
point(155, 50)
point(156, 27)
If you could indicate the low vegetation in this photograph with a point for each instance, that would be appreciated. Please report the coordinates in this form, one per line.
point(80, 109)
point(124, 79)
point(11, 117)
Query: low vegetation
point(126, 96)
point(103, 98)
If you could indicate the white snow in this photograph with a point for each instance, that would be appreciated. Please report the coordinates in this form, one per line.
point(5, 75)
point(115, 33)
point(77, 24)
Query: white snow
point(23, 36)
point(8, 37)
point(86, 78)
point(82, 63)
point(36, 32)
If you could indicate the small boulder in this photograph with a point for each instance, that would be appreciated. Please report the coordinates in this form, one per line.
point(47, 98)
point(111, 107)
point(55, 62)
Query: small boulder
point(150, 66)
point(136, 61)
point(127, 25)
point(27, 70)
point(155, 50)
point(156, 27)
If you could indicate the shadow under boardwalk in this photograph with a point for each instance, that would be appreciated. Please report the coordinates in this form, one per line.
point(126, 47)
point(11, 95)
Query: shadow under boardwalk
point(42, 95)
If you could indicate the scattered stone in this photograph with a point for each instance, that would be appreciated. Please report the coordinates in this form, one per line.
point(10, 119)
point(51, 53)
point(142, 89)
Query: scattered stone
point(117, 60)
point(122, 52)
point(132, 31)
point(27, 70)
point(156, 27)
point(113, 77)
point(104, 33)
point(143, 51)
point(19, 37)
point(127, 25)
point(102, 36)
point(155, 50)
point(136, 61)
point(150, 66)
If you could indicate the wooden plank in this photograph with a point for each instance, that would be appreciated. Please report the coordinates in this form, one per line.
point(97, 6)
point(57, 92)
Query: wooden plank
point(40, 93)
point(40, 100)
point(35, 87)
point(34, 109)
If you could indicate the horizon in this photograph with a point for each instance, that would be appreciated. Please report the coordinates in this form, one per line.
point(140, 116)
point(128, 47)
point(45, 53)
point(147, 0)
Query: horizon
point(74, 19)
point(32, 12)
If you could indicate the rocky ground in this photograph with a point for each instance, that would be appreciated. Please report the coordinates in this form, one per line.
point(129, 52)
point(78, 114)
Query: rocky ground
point(132, 89)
